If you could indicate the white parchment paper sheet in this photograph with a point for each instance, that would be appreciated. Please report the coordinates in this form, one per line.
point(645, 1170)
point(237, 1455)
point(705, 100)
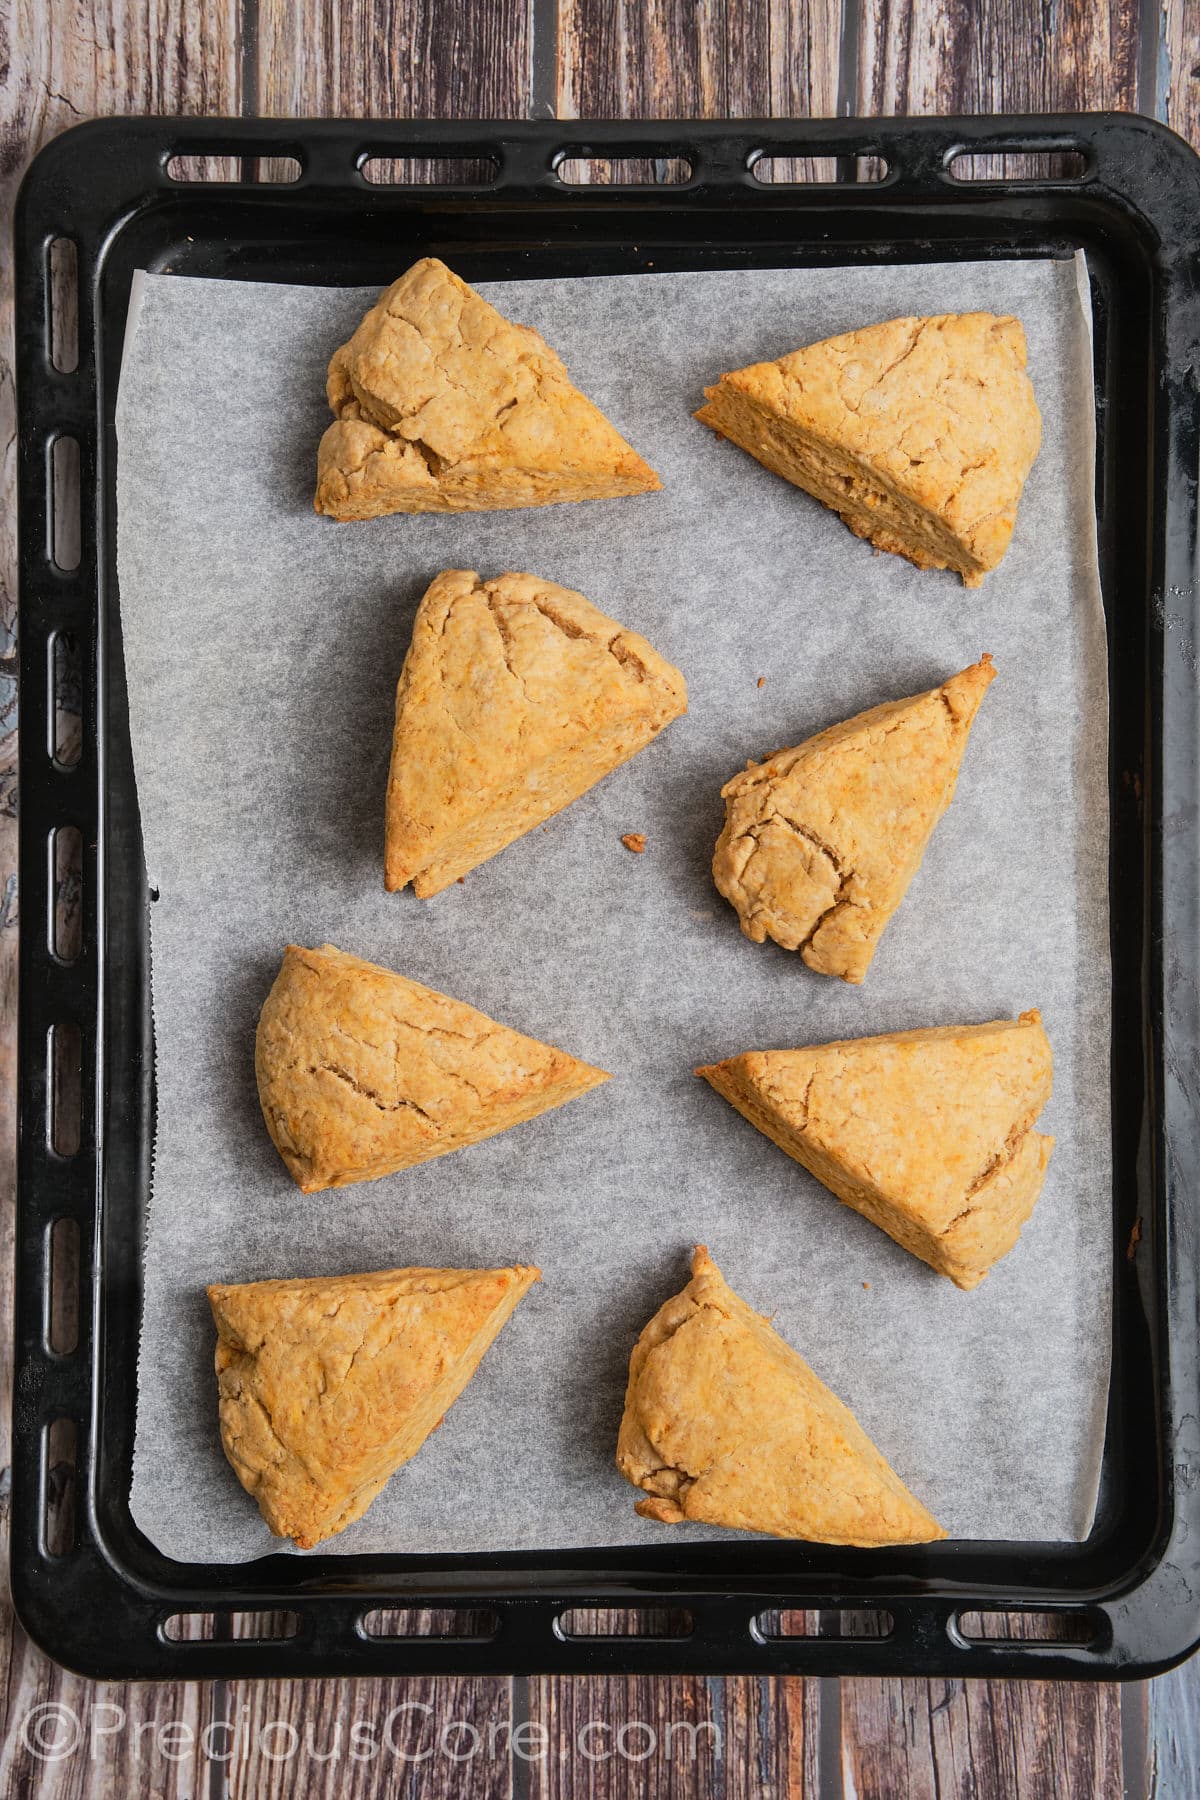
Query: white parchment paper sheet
point(263, 645)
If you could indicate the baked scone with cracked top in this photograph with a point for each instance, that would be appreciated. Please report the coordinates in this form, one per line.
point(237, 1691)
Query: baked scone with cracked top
point(516, 697)
point(362, 1072)
point(442, 404)
point(726, 1424)
point(919, 433)
point(328, 1385)
point(821, 841)
point(929, 1134)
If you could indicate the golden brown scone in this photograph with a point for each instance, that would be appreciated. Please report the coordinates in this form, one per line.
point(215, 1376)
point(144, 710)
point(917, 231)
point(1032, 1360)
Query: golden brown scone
point(362, 1072)
point(929, 1134)
point(919, 433)
point(516, 697)
point(444, 405)
point(326, 1386)
point(725, 1424)
point(821, 841)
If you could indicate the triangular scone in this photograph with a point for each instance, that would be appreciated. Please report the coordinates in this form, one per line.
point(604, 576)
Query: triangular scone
point(725, 1424)
point(516, 697)
point(327, 1386)
point(929, 1134)
point(444, 405)
point(821, 841)
point(362, 1072)
point(919, 432)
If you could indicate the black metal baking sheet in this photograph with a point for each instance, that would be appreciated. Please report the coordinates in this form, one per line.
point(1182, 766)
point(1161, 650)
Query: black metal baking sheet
point(1133, 1588)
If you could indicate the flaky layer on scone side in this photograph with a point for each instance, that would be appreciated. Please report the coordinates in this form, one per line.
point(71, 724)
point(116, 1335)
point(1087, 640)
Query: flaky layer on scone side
point(919, 433)
point(444, 405)
point(362, 1072)
point(929, 1134)
point(725, 1424)
point(328, 1385)
point(516, 697)
point(821, 841)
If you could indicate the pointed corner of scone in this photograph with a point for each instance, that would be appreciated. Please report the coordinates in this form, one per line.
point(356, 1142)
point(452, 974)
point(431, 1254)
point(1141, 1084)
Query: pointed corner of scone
point(963, 693)
point(725, 1424)
point(517, 696)
point(918, 432)
point(362, 1072)
point(442, 404)
point(312, 1426)
point(821, 842)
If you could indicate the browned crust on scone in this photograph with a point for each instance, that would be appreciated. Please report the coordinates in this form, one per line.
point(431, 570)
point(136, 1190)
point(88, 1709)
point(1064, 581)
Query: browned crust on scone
point(362, 1072)
point(516, 697)
point(328, 1385)
point(442, 404)
point(919, 432)
point(929, 1134)
point(821, 841)
point(726, 1424)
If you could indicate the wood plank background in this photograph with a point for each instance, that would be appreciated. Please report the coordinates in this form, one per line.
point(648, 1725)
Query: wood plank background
point(63, 60)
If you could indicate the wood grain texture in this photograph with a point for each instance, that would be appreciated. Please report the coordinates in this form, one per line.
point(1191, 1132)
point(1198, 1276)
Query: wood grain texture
point(623, 1737)
point(626, 59)
point(1177, 69)
point(394, 59)
point(1020, 1740)
point(929, 56)
point(351, 1740)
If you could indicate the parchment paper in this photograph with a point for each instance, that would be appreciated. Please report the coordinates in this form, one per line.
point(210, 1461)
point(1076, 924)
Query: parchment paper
point(263, 644)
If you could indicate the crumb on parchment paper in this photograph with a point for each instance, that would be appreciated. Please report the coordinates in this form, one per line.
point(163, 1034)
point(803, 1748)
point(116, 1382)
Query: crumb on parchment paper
point(635, 841)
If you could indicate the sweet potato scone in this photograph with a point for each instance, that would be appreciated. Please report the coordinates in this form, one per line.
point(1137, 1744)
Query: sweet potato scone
point(919, 433)
point(725, 1424)
point(821, 841)
point(362, 1072)
point(929, 1134)
point(516, 696)
point(327, 1386)
point(444, 405)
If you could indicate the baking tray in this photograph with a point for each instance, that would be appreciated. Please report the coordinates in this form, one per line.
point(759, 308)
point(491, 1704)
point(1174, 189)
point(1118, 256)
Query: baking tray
point(1130, 1594)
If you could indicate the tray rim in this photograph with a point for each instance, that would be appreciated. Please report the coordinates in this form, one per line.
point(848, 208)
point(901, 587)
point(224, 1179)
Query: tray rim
point(331, 1639)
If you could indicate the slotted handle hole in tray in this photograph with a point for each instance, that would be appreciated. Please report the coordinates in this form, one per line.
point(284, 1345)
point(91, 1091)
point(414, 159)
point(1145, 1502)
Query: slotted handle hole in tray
point(625, 1622)
point(430, 171)
point(1019, 165)
point(62, 1320)
point(59, 1445)
point(820, 170)
point(465, 1625)
point(64, 504)
point(64, 305)
point(869, 1622)
point(624, 171)
point(67, 931)
point(266, 169)
point(65, 677)
point(1013, 1627)
point(66, 1088)
point(230, 1627)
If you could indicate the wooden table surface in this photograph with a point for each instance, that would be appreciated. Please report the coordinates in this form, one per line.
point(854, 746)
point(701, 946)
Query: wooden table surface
point(65, 60)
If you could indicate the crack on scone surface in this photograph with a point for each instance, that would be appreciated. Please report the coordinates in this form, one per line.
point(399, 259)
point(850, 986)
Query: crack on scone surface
point(376, 1099)
point(1002, 1159)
